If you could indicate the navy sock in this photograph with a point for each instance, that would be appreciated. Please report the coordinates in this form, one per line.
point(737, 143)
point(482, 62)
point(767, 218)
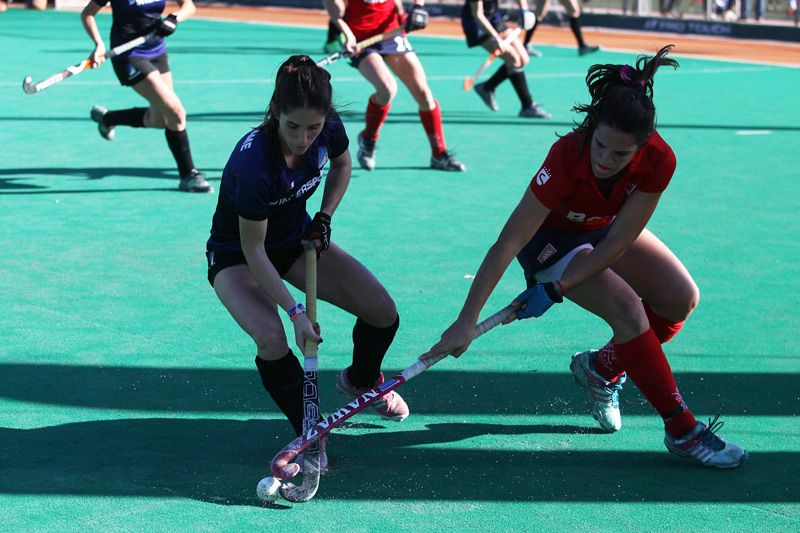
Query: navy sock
point(520, 84)
point(178, 142)
point(497, 78)
point(575, 24)
point(133, 117)
point(283, 381)
point(370, 345)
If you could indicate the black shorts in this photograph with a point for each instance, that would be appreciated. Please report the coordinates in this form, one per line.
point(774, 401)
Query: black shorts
point(132, 70)
point(397, 45)
point(282, 259)
point(475, 33)
point(549, 245)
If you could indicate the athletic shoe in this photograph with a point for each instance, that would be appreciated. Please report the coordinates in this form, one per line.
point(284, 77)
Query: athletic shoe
point(533, 52)
point(366, 152)
point(446, 161)
point(97, 114)
point(323, 455)
point(195, 182)
point(587, 49)
point(534, 111)
point(390, 407)
point(706, 447)
point(487, 96)
point(603, 396)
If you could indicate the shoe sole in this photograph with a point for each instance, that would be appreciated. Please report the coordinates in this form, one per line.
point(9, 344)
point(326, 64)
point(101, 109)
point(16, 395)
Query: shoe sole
point(742, 460)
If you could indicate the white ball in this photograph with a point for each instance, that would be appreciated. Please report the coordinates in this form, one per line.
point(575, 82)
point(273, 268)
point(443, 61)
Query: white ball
point(267, 489)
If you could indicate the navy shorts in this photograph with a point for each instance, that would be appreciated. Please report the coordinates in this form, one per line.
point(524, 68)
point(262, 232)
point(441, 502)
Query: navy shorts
point(282, 258)
point(549, 245)
point(397, 45)
point(475, 33)
point(132, 70)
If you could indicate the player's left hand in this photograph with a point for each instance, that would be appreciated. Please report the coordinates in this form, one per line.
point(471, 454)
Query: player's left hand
point(535, 301)
point(168, 25)
point(417, 19)
point(319, 231)
point(527, 19)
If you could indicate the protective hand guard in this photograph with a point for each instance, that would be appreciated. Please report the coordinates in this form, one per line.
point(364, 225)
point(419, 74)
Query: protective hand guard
point(527, 19)
point(417, 19)
point(168, 25)
point(319, 230)
point(538, 299)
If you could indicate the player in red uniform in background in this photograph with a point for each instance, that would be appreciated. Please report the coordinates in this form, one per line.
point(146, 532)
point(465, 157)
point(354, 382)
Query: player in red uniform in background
point(361, 19)
point(579, 232)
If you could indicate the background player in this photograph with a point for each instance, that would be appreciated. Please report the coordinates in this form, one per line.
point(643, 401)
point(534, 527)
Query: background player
point(484, 25)
point(146, 70)
point(579, 232)
point(361, 19)
point(259, 229)
point(573, 9)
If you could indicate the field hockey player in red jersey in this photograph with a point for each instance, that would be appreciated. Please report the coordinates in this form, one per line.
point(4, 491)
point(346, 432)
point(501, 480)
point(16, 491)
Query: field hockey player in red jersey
point(146, 70)
point(579, 232)
point(361, 19)
point(258, 234)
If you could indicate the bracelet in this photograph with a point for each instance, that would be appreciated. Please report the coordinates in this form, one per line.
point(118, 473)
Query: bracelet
point(298, 309)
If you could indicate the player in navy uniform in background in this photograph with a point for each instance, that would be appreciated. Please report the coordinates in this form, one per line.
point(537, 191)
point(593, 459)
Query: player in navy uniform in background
point(579, 232)
point(146, 70)
point(261, 225)
point(362, 19)
point(484, 26)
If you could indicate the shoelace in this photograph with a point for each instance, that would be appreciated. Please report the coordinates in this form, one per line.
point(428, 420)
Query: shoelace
point(708, 436)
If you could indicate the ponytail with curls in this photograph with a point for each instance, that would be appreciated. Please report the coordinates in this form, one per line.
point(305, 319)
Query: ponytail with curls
point(622, 96)
point(300, 83)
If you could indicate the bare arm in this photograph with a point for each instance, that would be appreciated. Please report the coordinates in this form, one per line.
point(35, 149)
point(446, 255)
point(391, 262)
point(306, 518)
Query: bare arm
point(477, 12)
point(97, 56)
point(336, 10)
point(252, 234)
point(336, 183)
point(630, 222)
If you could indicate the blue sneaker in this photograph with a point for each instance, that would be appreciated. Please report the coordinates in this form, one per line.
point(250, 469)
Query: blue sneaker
point(603, 396)
point(706, 447)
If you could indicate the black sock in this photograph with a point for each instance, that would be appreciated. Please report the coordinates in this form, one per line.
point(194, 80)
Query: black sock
point(178, 142)
point(333, 32)
point(529, 33)
point(517, 77)
point(370, 345)
point(497, 78)
point(133, 117)
point(575, 24)
point(283, 380)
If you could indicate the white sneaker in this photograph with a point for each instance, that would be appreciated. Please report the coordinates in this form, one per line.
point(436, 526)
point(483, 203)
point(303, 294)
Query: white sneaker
point(97, 114)
point(602, 395)
point(706, 447)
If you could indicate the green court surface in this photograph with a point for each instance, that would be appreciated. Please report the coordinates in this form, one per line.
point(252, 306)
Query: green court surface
point(129, 400)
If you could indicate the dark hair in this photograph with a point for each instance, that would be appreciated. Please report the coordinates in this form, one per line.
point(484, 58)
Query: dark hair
point(300, 83)
point(622, 96)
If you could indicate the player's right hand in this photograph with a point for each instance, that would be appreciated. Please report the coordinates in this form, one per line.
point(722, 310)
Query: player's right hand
point(98, 55)
point(500, 45)
point(454, 341)
point(304, 329)
point(350, 44)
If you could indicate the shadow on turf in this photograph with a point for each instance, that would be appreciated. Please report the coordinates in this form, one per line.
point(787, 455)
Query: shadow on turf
point(440, 391)
point(220, 461)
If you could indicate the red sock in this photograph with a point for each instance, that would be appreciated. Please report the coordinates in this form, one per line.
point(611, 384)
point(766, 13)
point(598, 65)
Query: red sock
point(647, 366)
point(432, 122)
point(607, 364)
point(376, 116)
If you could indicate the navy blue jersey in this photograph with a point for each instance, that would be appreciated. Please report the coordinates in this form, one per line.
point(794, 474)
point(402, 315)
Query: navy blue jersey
point(133, 18)
point(490, 7)
point(257, 185)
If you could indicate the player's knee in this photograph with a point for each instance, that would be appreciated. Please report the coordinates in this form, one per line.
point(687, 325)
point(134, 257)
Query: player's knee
point(685, 302)
point(383, 312)
point(626, 316)
point(270, 341)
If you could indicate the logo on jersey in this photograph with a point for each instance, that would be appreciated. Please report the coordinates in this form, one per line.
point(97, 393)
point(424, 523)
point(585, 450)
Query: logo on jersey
point(543, 176)
point(248, 141)
point(307, 186)
point(548, 252)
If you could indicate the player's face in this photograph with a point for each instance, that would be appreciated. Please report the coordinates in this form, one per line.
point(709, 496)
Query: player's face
point(299, 128)
point(611, 150)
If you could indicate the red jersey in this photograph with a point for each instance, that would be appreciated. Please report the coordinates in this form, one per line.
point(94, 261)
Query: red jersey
point(371, 17)
point(566, 185)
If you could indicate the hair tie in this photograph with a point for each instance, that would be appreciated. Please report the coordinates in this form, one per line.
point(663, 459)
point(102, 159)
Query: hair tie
point(626, 74)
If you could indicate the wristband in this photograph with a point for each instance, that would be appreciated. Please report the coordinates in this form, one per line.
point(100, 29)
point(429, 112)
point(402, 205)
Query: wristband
point(298, 309)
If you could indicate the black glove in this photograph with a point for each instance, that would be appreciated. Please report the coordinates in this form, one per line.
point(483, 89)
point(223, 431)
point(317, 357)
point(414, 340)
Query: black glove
point(319, 230)
point(168, 25)
point(417, 19)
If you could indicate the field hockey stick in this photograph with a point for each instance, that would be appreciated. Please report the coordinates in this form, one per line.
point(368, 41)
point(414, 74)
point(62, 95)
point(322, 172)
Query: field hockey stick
point(283, 468)
point(31, 88)
point(469, 81)
point(311, 470)
point(360, 46)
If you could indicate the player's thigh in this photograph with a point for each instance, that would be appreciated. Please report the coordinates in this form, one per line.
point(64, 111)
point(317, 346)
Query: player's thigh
point(611, 298)
point(344, 282)
point(252, 309)
point(158, 92)
point(572, 7)
point(374, 69)
point(659, 277)
point(409, 69)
